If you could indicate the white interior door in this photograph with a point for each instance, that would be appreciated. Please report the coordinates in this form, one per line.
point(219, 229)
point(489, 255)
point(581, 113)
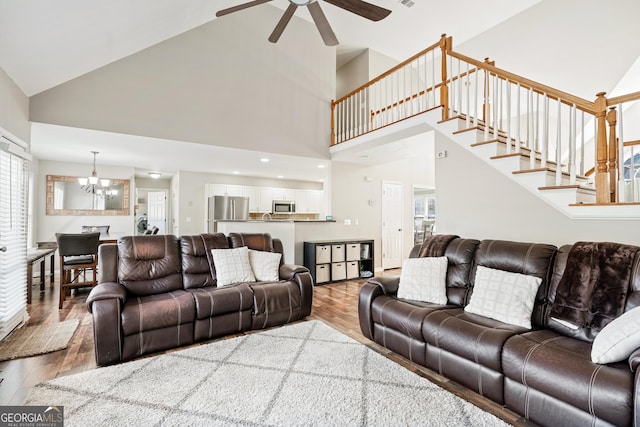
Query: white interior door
point(391, 225)
point(157, 210)
point(13, 236)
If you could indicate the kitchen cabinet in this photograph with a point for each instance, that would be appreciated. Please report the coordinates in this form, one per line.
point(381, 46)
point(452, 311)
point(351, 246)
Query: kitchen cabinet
point(335, 260)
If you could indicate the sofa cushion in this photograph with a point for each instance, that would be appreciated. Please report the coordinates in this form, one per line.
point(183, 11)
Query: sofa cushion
point(618, 339)
point(504, 296)
point(256, 241)
point(212, 302)
point(532, 259)
point(150, 312)
point(232, 266)
point(403, 316)
point(275, 303)
point(149, 265)
point(473, 337)
point(196, 269)
point(265, 265)
point(424, 279)
point(561, 367)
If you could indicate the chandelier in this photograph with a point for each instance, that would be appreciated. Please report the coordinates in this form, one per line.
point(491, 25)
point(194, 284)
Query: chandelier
point(94, 185)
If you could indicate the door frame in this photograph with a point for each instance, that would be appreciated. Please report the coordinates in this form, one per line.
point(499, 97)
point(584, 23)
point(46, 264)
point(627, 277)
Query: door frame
point(400, 244)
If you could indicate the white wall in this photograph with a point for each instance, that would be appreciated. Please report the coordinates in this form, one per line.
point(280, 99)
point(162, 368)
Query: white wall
point(47, 225)
point(221, 84)
point(351, 193)
point(476, 201)
point(14, 109)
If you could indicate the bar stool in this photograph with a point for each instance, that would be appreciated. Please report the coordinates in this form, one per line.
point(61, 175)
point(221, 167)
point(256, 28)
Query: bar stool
point(78, 256)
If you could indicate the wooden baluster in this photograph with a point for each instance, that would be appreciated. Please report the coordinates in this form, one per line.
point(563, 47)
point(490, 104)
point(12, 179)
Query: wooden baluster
point(603, 194)
point(508, 83)
point(445, 45)
point(468, 98)
point(433, 77)
point(518, 140)
point(582, 144)
point(572, 144)
point(486, 113)
point(622, 195)
point(533, 118)
point(459, 90)
point(613, 154)
point(544, 149)
point(475, 96)
point(496, 93)
point(536, 130)
point(559, 144)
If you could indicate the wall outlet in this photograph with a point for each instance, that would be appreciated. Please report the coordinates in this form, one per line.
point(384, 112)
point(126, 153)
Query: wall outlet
point(441, 154)
point(347, 222)
point(188, 219)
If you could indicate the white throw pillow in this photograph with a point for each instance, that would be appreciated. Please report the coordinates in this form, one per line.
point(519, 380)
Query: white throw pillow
point(504, 296)
point(424, 279)
point(617, 340)
point(232, 266)
point(265, 265)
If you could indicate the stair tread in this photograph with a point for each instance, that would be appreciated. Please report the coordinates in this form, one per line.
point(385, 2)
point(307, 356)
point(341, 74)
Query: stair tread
point(568, 186)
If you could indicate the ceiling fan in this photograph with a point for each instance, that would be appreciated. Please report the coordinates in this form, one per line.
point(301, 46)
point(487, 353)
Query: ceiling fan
point(359, 7)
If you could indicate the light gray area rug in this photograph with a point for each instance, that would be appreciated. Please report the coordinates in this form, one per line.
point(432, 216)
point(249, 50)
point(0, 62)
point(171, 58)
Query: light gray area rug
point(38, 339)
point(301, 374)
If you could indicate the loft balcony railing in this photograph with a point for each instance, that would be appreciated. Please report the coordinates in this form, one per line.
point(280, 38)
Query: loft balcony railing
point(569, 135)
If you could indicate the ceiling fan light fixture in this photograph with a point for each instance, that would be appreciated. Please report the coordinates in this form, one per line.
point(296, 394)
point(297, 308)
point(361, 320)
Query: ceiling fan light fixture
point(301, 2)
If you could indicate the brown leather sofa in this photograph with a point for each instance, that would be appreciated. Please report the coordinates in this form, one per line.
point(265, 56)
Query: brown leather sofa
point(544, 373)
point(160, 292)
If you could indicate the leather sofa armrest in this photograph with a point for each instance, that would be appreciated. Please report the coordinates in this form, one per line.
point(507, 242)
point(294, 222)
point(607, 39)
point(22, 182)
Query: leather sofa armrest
point(368, 293)
point(634, 360)
point(288, 271)
point(105, 291)
point(303, 279)
point(105, 303)
point(108, 262)
point(389, 284)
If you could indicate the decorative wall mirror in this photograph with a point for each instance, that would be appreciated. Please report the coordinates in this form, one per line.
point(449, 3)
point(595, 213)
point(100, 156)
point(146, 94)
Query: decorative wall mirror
point(65, 196)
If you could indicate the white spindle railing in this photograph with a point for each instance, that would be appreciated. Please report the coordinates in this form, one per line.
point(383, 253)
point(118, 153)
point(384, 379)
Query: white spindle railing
point(553, 128)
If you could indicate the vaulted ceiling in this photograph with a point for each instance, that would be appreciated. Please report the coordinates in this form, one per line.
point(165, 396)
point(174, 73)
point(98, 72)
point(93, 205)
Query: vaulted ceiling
point(581, 46)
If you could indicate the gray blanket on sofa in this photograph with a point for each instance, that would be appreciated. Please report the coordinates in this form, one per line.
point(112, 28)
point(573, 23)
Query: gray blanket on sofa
point(593, 288)
point(436, 245)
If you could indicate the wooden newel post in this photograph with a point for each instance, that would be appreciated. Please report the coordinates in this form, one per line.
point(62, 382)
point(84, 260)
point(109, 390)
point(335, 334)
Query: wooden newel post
point(486, 107)
point(603, 194)
point(445, 46)
point(612, 119)
point(333, 122)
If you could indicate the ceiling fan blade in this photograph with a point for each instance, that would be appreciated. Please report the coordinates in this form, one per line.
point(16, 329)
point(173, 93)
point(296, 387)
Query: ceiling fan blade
point(240, 7)
point(328, 36)
point(277, 32)
point(362, 8)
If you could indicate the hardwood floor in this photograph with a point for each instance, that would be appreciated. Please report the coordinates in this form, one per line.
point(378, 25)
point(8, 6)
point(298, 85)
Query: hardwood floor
point(335, 304)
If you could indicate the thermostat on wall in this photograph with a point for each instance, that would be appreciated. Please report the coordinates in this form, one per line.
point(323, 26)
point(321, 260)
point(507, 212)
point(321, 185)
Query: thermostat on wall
point(329, 217)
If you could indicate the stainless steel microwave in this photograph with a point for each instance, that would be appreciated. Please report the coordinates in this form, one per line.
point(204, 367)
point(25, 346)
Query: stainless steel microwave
point(283, 206)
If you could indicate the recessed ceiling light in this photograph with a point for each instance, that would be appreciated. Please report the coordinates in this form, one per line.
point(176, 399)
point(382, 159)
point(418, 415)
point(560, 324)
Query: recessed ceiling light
point(155, 175)
point(280, 176)
point(264, 160)
point(236, 172)
point(321, 166)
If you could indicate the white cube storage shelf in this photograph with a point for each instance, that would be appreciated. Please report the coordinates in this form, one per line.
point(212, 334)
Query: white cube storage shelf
point(331, 261)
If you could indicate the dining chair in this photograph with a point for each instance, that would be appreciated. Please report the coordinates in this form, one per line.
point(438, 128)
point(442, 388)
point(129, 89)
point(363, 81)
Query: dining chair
point(78, 257)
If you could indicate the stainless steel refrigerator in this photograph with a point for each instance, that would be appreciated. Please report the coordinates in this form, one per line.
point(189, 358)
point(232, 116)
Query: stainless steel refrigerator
point(226, 207)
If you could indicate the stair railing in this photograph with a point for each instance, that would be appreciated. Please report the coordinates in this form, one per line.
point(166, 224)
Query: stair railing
point(556, 130)
point(623, 152)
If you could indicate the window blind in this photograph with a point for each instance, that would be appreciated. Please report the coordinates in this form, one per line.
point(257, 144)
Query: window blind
point(13, 236)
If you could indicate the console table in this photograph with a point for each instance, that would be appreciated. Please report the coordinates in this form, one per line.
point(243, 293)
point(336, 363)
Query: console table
point(39, 255)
